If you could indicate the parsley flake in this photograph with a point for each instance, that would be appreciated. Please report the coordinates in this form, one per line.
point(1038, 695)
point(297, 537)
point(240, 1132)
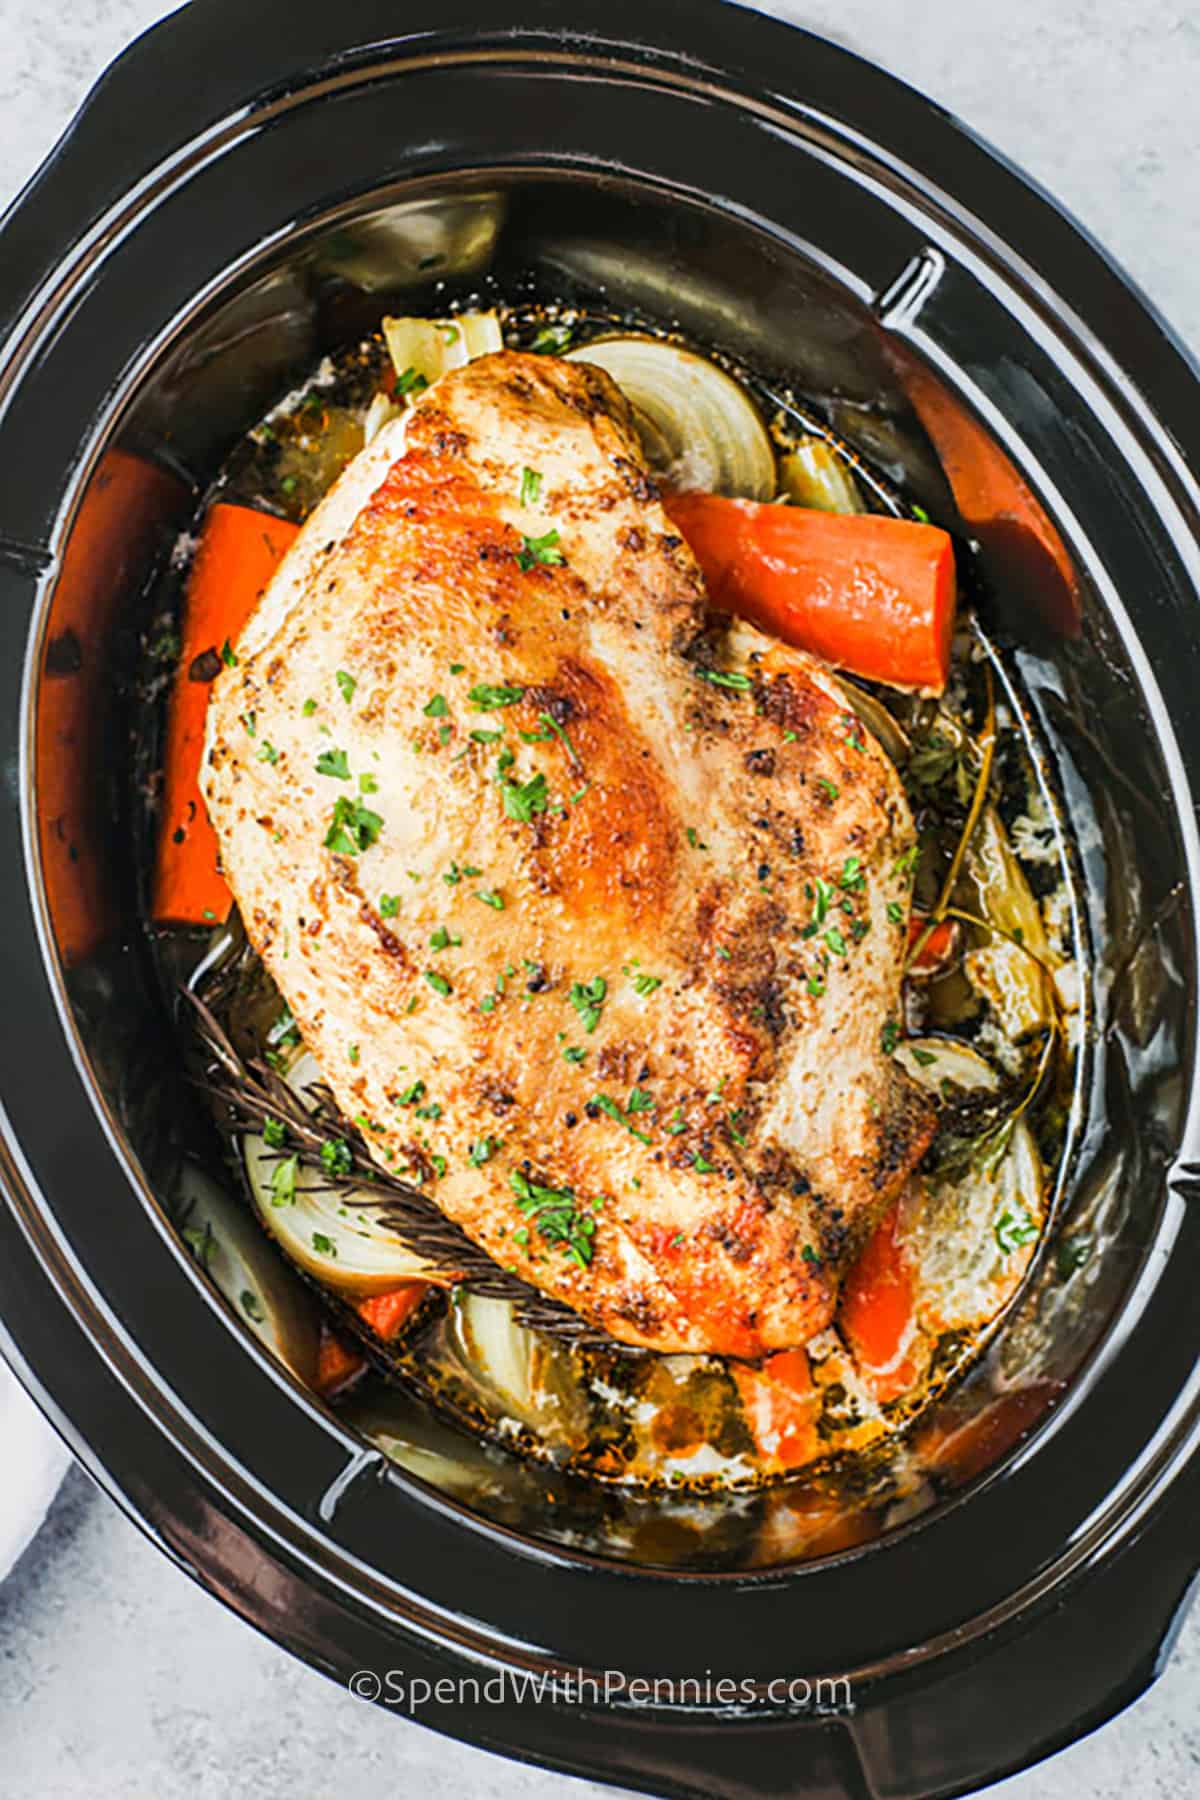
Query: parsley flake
point(335, 764)
point(587, 997)
point(539, 550)
point(531, 487)
point(487, 698)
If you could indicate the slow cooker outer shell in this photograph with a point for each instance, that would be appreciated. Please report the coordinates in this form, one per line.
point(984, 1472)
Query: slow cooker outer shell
point(251, 1524)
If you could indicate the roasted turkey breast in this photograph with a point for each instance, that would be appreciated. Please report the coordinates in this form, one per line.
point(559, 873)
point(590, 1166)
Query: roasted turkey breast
point(591, 905)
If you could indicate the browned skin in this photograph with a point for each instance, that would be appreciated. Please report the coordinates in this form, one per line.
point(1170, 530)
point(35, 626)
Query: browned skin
point(693, 834)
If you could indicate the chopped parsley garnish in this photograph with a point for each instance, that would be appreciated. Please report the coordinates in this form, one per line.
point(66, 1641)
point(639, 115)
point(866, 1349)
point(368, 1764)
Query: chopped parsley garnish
point(524, 799)
point(889, 1037)
point(267, 752)
point(227, 655)
point(836, 941)
point(352, 1054)
point(587, 997)
point(923, 1057)
point(550, 728)
point(436, 707)
point(701, 1164)
point(482, 1151)
point(389, 905)
point(448, 333)
point(809, 1255)
point(283, 1181)
point(309, 708)
point(202, 1241)
point(354, 827)
point(411, 381)
point(368, 783)
point(816, 986)
point(335, 764)
point(252, 1306)
point(285, 1032)
point(482, 736)
point(486, 698)
point(410, 1094)
point(904, 865)
point(432, 1111)
point(557, 1216)
point(640, 1101)
point(727, 678)
point(574, 1053)
point(347, 683)
point(852, 880)
point(438, 983)
point(646, 984)
point(250, 721)
point(324, 1246)
point(551, 340)
point(336, 1158)
point(693, 838)
point(895, 912)
point(1015, 1228)
point(853, 734)
point(828, 787)
point(442, 939)
point(454, 874)
point(531, 487)
point(491, 898)
point(274, 1133)
point(537, 550)
point(676, 1123)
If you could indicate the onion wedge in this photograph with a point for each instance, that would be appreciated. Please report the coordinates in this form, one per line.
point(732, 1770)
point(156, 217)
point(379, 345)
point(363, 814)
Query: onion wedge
point(699, 428)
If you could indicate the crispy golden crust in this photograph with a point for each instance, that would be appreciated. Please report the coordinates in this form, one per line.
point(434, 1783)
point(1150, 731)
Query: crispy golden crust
point(720, 860)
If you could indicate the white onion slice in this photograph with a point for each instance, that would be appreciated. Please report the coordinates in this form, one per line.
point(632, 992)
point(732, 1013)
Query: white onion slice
point(341, 1244)
point(431, 347)
point(814, 475)
point(970, 1237)
point(699, 428)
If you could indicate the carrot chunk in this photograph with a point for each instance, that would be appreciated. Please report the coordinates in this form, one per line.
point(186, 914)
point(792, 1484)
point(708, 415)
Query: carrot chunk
point(780, 1405)
point(872, 595)
point(239, 551)
point(878, 1313)
point(386, 1313)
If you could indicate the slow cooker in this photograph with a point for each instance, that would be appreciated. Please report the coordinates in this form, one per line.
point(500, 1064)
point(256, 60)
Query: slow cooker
point(245, 189)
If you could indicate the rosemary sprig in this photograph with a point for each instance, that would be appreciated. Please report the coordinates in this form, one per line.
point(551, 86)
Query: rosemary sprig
point(248, 1093)
point(987, 750)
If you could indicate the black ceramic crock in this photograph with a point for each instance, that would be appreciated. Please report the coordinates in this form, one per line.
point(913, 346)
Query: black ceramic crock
point(238, 194)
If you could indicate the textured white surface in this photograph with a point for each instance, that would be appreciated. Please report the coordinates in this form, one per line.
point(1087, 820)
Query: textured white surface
point(118, 1678)
point(34, 1461)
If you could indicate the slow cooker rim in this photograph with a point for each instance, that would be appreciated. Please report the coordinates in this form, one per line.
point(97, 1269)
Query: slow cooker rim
point(189, 1271)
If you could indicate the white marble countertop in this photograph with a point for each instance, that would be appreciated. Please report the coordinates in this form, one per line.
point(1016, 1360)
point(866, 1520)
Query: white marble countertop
point(118, 1677)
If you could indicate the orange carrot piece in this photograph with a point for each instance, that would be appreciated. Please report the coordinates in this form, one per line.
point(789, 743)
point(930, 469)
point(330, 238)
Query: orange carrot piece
point(871, 595)
point(127, 503)
point(386, 1313)
point(1024, 548)
point(878, 1313)
point(938, 947)
point(337, 1364)
point(240, 549)
point(780, 1405)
